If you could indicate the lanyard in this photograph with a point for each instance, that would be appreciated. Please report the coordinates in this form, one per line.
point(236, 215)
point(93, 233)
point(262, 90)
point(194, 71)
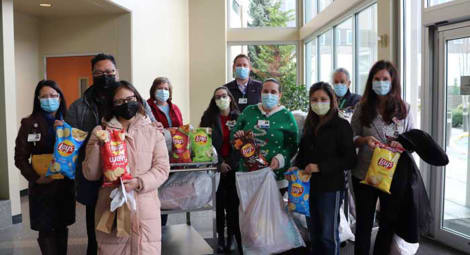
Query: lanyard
point(343, 101)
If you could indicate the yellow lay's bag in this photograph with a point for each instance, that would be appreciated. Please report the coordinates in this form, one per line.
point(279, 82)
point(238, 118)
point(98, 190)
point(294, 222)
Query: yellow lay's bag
point(382, 167)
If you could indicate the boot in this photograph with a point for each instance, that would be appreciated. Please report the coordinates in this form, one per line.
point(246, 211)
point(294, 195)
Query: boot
point(62, 241)
point(228, 246)
point(220, 244)
point(47, 243)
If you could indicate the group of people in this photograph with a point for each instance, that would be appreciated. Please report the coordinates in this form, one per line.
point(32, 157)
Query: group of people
point(326, 150)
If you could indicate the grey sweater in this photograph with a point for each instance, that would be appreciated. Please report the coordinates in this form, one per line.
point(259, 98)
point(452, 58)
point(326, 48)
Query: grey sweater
point(382, 131)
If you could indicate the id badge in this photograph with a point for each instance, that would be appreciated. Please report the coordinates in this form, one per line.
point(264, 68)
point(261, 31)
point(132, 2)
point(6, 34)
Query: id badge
point(243, 100)
point(263, 124)
point(231, 123)
point(35, 137)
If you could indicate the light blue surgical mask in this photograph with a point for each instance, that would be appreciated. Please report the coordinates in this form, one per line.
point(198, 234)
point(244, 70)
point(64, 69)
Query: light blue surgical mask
point(162, 95)
point(242, 72)
point(341, 89)
point(381, 88)
point(269, 100)
point(49, 104)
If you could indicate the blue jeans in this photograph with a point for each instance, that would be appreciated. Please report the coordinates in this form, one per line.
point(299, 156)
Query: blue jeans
point(324, 222)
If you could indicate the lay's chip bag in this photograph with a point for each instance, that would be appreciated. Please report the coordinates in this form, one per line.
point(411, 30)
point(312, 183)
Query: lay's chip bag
point(201, 144)
point(68, 141)
point(299, 189)
point(180, 152)
point(382, 167)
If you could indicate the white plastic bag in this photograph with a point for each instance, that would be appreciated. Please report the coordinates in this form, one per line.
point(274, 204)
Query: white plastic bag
point(401, 247)
point(345, 232)
point(187, 190)
point(264, 223)
point(119, 196)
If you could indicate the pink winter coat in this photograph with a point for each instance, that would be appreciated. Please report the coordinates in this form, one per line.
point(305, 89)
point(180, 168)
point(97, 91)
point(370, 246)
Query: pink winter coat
point(148, 161)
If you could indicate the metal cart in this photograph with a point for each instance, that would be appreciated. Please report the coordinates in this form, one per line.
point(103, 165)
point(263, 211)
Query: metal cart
point(183, 239)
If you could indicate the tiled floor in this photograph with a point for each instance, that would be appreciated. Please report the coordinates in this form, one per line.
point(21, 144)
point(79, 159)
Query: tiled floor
point(20, 240)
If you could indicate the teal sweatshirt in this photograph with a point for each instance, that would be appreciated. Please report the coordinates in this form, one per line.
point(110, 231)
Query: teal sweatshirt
point(280, 140)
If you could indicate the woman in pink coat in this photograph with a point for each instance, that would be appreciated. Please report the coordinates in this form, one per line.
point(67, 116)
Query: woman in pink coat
point(149, 166)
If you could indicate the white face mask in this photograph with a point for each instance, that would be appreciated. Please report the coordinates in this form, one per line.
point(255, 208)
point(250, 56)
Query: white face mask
point(223, 103)
point(320, 108)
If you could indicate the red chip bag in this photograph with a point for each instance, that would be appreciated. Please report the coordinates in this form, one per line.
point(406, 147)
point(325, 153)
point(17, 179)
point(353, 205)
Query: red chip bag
point(113, 156)
point(249, 150)
point(180, 149)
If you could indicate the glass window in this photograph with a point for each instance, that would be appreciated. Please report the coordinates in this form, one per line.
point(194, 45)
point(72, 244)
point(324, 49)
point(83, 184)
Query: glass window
point(436, 2)
point(310, 9)
point(322, 4)
point(366, 45)
point(326, 55)
point(311, 62)
point(343, 46)
point(267, 13)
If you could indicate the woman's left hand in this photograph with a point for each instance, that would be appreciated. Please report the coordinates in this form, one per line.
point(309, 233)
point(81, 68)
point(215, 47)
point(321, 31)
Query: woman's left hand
point(311, 168)
point(274, 164)
point(131, 184)
point(395, 144)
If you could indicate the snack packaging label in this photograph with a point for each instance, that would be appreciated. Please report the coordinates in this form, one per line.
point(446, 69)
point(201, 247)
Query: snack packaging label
point(201, 144)
point(181, 142)
point(299, 189)
point(67, 144)
point(113, 156)
point(250, 152)
point(382, 167)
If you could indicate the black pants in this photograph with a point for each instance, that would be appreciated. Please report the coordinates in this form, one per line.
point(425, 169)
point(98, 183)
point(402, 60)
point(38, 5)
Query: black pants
point(53, 242)
point(366, 200)
point(227, 207)
point(92, 248)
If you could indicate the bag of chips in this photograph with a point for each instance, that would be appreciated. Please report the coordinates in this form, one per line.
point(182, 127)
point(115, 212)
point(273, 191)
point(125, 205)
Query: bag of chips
point(113, 156)
point(180, 152)
point(299, 189)
point(382, 167)
point(41, 163)
point(201, 144)
point(250, 152)
point(68, 141)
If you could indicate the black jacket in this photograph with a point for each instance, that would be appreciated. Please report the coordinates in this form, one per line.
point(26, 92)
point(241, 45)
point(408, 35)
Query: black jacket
point(253, 92)
point(52, 205)
point(408, 208)
point(332, 150)
point(349, 100)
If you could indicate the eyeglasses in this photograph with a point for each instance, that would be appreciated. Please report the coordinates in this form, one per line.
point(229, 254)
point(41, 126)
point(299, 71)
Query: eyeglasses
point(107, 72)
point(126, 100)
point(49, 96)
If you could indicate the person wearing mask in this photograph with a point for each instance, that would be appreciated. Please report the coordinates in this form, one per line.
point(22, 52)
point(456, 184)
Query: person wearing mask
point(51, 201)
point(274, 128)
point(326, 152)
point(342, 84)
point(149, 166)
point(163, 109)
point(85, 114)
point(221, 116)
point(245, 90)
point(380, 117)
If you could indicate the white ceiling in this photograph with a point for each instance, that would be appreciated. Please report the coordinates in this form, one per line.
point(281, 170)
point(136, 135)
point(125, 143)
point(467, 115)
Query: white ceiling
point(66, 8)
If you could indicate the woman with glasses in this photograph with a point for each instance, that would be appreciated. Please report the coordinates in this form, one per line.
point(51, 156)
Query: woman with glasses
point(163, 109)
point(149, 165)
point(221, 116)
point(51, 200)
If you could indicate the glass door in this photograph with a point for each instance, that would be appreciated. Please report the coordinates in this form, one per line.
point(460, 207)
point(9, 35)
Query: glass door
point(452, 223)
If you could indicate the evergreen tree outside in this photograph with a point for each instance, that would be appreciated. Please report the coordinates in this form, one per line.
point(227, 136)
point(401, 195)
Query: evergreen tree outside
point(276, 61)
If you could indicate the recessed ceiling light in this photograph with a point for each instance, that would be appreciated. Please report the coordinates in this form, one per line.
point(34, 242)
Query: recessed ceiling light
point(45, 5)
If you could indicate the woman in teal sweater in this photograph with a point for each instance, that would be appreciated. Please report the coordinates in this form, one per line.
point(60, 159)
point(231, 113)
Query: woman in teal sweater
point(274, 129)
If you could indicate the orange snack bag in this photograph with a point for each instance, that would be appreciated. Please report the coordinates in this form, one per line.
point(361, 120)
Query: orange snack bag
point(180, 152)
point(113, 156)
point(382, 167)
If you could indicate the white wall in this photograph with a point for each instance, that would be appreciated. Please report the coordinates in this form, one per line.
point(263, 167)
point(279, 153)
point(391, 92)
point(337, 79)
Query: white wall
point(27, 69)
point(160, 46)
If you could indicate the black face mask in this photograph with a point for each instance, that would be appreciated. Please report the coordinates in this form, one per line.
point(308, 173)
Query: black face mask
point(106, 82)
point(127, 110)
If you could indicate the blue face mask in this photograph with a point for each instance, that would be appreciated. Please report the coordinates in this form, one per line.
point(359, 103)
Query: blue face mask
point(242, 72)
point(49, 104)
point(269, 100)
point(381, 88)
point(162, 95)
point(341, 89)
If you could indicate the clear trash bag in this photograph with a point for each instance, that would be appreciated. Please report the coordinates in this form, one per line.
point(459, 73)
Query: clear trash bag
point(401, 247)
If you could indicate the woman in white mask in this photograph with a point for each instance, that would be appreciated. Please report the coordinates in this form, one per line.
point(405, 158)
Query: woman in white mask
point(381, 116)
point(221, 115)
point(163, 109)
point(326, 151)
